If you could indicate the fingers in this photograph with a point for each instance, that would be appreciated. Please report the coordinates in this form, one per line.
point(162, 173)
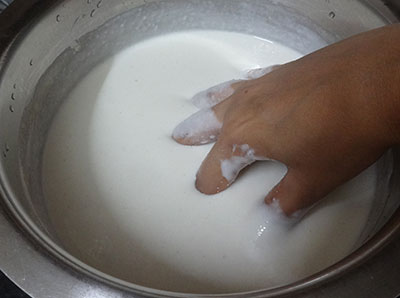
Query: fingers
point(214, 95)
point(202, 127)
point(293, 194)
point(222, 166)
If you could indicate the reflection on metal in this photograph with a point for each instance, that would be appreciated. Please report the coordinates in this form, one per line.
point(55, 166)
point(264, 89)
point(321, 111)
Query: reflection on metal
point(394, 5)
point(4, 4)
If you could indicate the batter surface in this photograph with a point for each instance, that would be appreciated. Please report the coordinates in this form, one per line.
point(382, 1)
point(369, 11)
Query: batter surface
point(121, 193)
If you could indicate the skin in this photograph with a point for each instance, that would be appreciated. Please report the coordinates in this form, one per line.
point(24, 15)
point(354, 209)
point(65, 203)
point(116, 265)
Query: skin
point(327, 117)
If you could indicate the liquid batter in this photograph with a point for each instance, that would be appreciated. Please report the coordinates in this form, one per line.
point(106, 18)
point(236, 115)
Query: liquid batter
point(121, 193)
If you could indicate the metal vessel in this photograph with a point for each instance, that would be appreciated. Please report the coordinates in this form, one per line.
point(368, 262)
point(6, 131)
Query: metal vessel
point(46, 47)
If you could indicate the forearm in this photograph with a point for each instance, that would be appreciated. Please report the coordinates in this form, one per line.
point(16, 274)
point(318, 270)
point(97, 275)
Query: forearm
point(386, 78)
point(375, 78)
point(392, 81)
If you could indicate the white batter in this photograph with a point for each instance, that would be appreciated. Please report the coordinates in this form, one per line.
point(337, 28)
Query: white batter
point(121, 192)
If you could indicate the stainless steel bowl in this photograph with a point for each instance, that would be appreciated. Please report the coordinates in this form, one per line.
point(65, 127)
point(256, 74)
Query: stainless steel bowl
point(47, 46)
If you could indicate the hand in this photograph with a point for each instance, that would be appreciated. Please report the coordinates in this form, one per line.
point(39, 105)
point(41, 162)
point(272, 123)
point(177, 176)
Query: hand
point(326, 116)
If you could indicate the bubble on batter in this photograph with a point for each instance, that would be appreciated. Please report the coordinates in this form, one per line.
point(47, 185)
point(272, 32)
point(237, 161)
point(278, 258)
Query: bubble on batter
point(257, 73)
point(200, 128)
point(231, 167)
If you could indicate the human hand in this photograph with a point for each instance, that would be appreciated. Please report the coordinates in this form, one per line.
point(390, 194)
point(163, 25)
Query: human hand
point(326, 116)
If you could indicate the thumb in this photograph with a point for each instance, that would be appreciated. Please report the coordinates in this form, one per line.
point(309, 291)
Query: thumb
point(294, 192)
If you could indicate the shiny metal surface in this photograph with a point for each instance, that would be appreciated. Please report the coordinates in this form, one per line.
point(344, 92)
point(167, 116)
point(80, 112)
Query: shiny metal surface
point(44, 42)
point(4, 4)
